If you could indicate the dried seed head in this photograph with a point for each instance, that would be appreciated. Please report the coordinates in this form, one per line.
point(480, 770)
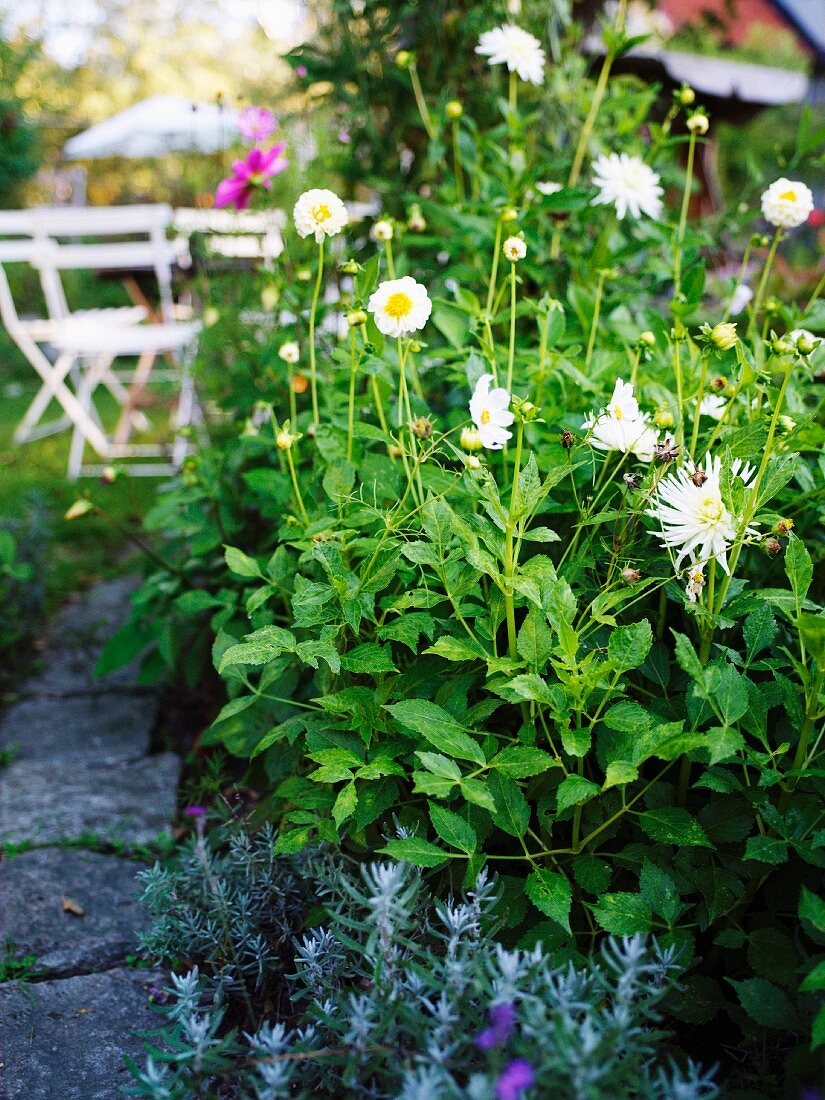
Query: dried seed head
point(632, 481)
point(784, 527)
point(631, 576)
point(567, 439)
point(422, 427)
point(666, 451)
point(718, 383)
point(699, 477)
point(772, 546)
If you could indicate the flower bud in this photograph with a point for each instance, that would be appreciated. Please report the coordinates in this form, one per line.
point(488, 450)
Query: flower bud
point(687, 96)
point(382, 230)
point(416, 222)
point(786, 424)
point(269, 297)
point(453, 110)
point(631, 576)
point(415, 346)
point(784, 527)
point(663, 418)
point(772, 546)
point(284, 440)
point(303, 274)
point(525, 410)
point(404, 59)
point(567, 439)
point(718, 383)
point(805, 343)
point(394, 450)
point(723, 336)
point(647, 339)
point(350, 267)
point(421, 427)
point(472, 462)
point(210, 317)
point(470, 440)
point(108, 475)
point(299, 383)
point(509, 214)
point(356, 317)
point(772, 305)
point(781, 346)
point(698, 124)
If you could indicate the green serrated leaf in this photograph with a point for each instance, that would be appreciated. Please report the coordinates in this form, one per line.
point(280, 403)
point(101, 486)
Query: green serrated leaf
point(414, 849)
point(551, 894)
point(453, 829)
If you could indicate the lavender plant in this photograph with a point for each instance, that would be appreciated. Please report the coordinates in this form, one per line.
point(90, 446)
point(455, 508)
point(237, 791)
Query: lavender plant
point(399, 995)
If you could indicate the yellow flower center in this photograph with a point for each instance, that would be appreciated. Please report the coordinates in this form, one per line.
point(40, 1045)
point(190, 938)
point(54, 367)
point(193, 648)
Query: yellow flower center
point(485, 416)
point(321, 212)
point(788, 196)
point(398, 304)
point(617, 412)
point(711, 509)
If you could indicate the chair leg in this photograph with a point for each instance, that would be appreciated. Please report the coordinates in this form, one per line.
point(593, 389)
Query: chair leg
point(87, 427)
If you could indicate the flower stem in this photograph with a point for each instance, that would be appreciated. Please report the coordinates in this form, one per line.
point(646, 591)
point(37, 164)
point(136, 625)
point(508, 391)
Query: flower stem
point(351, 411)
point(511, 352)
point(740, 280)
point(695, 435)
point(680, 233)
point(390, 261)
point(491, 285)
point(763, 282)
point(418, 92)
point(509, 555)
point(457, 169)
point(313, 380)
point(597, 306)
point(295, 486)
point(818, 289)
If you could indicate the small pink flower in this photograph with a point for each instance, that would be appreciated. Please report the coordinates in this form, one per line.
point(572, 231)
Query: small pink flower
point(343, 137)
point(256, 171)
point(256, 123)
point(301, 71)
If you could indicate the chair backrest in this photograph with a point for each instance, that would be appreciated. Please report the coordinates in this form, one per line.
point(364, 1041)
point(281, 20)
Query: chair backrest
point(15, 223)
point(101, 221)
point(25, 251)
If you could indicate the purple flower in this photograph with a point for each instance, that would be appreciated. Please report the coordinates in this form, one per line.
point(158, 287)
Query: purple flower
point(195, 811)
point(343, 137)
point(301, 71)
point(256, 171)
point(502, 1025)
point(516, 1079)
point(256, 123)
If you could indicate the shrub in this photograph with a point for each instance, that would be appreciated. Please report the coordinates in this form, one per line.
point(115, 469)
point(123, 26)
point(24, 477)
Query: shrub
point(402, 996)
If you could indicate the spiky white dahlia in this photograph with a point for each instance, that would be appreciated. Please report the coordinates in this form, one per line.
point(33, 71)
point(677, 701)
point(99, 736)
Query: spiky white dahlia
point(519, 50)
point(620, 426)
point(693, 517)
point(628, 184)
point(490, 411)
point(787, 203)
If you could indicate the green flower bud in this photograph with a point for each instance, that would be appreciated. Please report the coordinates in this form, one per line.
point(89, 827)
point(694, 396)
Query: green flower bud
point(687, 96)
point(647, 339)
point(723, 335)
point(454, 110)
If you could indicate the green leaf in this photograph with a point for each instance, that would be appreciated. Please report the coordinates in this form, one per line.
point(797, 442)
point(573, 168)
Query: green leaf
point(522, 761)
point(759, 630)
point(574, 790)
point(477, 792)
point(260, 651)
point(591, 873)
point(812, 908)
point(660, 892)
point(535, 640)
point(457, 649)
point(673, 825)
point(316, 649)
point(414, 849)
point(623, 914)
point(628, 646)
point(814, 981)
point(453, 829)
point(574, 741)
point(551, 894)
point(345, 804)
point(440, 765)
point(800, 569)
point(688, 659)
point(619, 772)
point(766, 849)
point(407, 629)
point(438, 727)
point(370, 658)
point(730, 694)
point(766, 1003)
point(512, 813)
point(241, 563)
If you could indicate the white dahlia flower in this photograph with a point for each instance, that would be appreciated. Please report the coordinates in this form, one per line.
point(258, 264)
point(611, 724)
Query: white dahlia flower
point(628, 184)
point(519, 50)
point(713, 405)
point(694, 519)
point(787, 203)
point(514, 249)
point(400, 306)
point(319, 213)
point(289, 352)
point(490, 412)
point(620, 426)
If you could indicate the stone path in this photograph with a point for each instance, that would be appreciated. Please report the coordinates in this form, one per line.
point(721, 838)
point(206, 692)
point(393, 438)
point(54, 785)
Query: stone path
point(80, 776)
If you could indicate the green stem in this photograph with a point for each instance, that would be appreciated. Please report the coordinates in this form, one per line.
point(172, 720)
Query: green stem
point(820, 286)
point(511, 352)
point(351, 412)
point(597, 306)
point(418, 92)
point(491, 286)
point(694, 439)
point(390, 262)
point(742, 271)
point(313, 380)
point(680, 234)
point(804, 738)
point(763, 282)
point(295, 485)
point(457, 169)
point(509, 555)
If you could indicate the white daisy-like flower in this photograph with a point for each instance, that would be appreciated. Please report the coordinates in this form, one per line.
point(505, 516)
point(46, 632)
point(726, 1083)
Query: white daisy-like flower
point(519, 50)
point(319, 213)
point(548, 187)
point(382, 230)
point(713, 405)
point(787, 203)
point(620, 426)
point(514, 249)
point(400, 306)
point(628, 184)
point(490, 412)
point(694, 519)
point(740, 298)
point(289, 352)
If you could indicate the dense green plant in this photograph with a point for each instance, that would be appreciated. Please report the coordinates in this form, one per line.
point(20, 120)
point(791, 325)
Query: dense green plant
point(401, 996)
point(498, 651)
point(19, 157)
point(24, 546)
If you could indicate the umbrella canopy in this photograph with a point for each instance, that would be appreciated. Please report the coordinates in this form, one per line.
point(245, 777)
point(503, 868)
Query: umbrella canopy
point(155, 126)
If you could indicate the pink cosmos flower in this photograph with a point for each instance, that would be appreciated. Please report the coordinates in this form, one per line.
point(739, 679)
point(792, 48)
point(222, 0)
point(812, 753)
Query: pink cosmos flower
point(256, 123)
point(256, 171)
point(301, 71)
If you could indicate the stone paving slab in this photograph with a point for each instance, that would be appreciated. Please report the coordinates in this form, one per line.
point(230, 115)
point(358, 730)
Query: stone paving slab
point(102, 728)
point(67, 1038)
point(69, 670)
point(34, 922)
point(95, 617)
point(44, 801)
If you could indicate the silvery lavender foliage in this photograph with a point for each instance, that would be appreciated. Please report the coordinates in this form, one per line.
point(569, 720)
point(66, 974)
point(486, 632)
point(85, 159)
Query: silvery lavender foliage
point(230, 905)
point(402, 996)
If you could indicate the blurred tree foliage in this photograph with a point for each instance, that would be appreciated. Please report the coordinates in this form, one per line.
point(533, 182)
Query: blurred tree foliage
point(19, 157)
